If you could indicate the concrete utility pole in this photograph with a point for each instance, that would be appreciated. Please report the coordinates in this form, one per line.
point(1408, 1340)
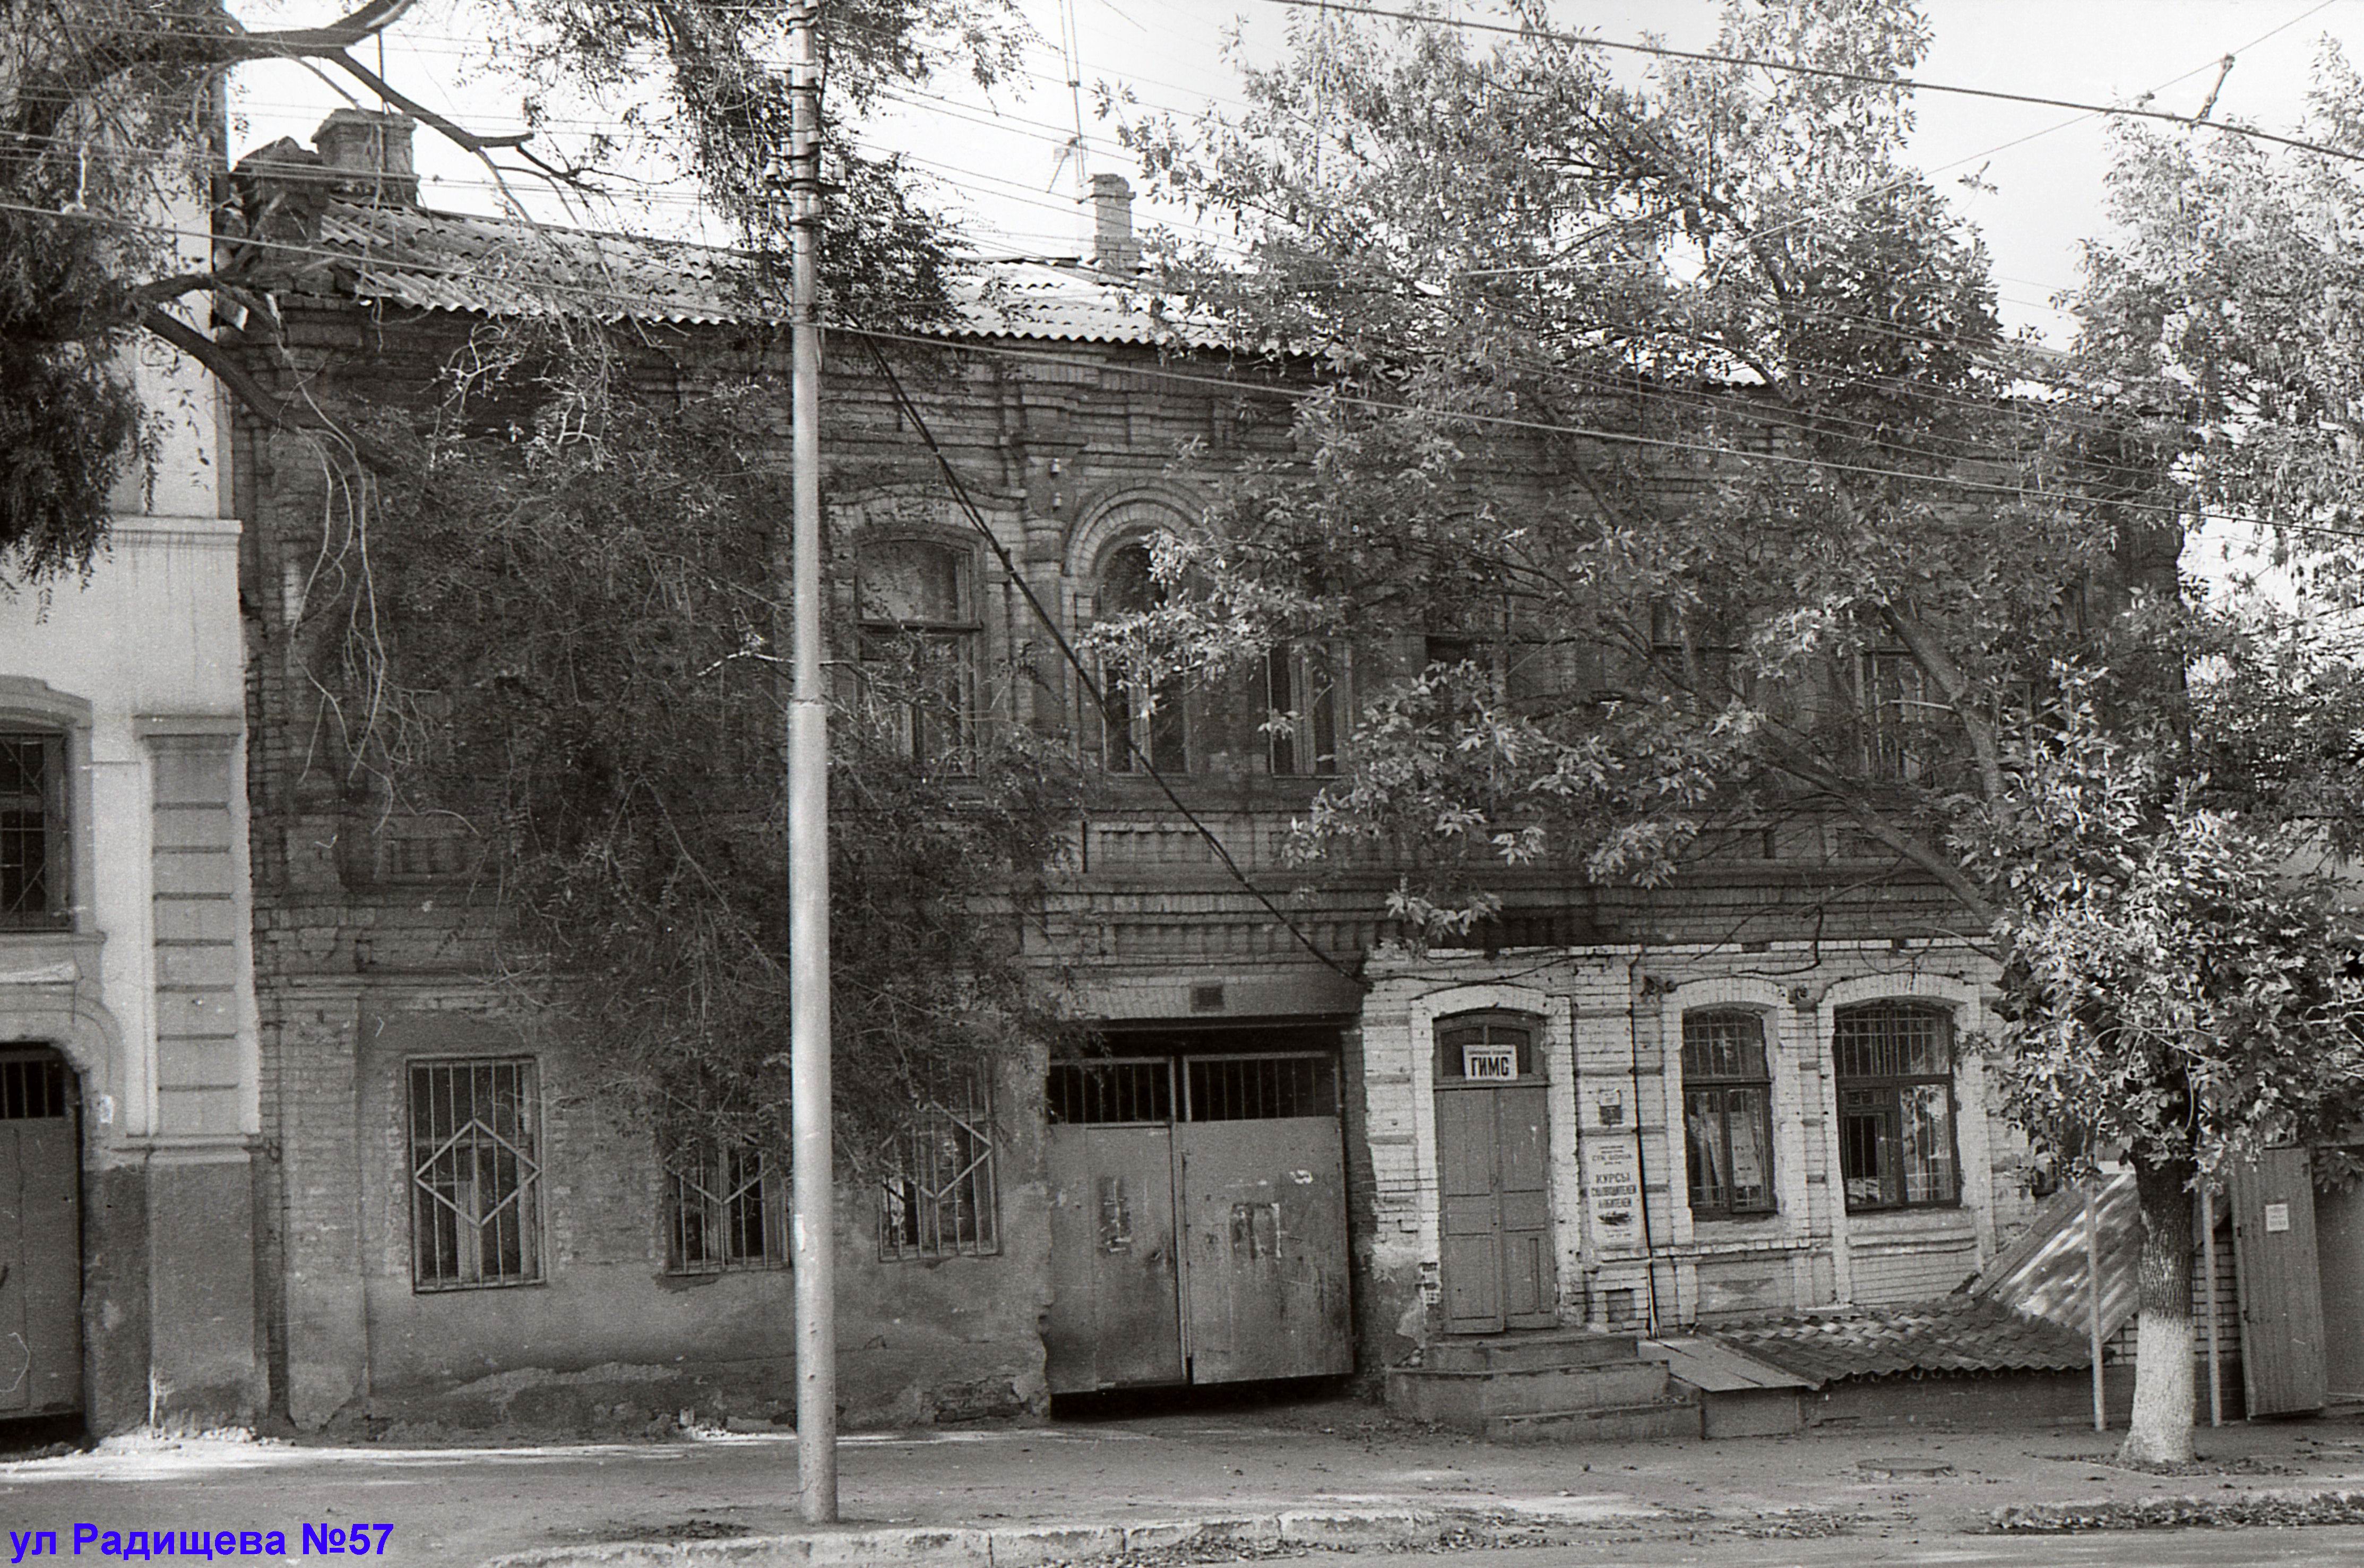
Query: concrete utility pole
point(813, 1199)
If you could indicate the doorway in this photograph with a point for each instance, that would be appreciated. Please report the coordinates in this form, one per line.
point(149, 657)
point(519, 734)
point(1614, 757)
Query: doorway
point(1198, 1210)
point(1493, 1169)
point(41, 1234)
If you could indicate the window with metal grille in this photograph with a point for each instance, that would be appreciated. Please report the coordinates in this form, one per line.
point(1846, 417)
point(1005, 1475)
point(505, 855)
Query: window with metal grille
point(937, 1197)
point(1895, 1070)
point(1300, 693)
point(1727, 1114)
point(33, 1087)
point(33, 883)
point(920, 638)
point(1696, 652)
point(475, 1174)
point(726, 1207)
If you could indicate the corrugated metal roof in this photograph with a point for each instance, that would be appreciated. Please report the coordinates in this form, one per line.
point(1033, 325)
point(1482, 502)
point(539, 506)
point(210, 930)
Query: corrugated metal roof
point(1955, 1334)
point(440, 260)
point(2045, 1273)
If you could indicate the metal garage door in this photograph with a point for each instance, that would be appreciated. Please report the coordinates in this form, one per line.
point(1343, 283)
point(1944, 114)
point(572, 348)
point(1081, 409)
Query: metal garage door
point(1197, 1220)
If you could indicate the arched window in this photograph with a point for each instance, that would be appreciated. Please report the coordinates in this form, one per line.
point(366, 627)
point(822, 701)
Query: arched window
point(1728, 1113)
point(920, 637)
point(1144, 722)
point(1895, 1070)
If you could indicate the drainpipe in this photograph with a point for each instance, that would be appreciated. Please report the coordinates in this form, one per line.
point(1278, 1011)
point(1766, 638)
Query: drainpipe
point(1641, 1155)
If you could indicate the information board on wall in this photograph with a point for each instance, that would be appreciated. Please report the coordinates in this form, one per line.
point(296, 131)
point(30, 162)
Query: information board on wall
point(1612, 1188)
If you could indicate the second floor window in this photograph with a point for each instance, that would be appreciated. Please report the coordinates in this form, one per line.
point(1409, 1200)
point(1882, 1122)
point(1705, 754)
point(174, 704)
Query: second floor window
point(33, 883)
point(1143, 719)
point(1301, 710)
point(1895, 1064)
point(1894, 710)
point(920, 637)
point(1727, 1114)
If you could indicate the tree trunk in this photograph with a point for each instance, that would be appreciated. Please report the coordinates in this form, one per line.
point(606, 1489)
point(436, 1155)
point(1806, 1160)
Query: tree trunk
point(2161, 1430)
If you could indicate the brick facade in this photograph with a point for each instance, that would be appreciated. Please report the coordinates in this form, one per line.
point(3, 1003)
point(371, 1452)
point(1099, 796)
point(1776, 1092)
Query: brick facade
point(372, 951)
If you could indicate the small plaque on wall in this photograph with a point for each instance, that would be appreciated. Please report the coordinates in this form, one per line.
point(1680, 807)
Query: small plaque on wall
point(1496, 1062)
point(2277, 1217)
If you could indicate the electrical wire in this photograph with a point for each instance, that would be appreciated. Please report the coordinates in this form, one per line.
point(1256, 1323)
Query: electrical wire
point(1092, 687)
point(626, 301)
point(1827, 73)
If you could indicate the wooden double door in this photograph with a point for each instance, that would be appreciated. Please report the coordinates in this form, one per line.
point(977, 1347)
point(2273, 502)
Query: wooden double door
point(1197, 1220)
point(1493, 1168)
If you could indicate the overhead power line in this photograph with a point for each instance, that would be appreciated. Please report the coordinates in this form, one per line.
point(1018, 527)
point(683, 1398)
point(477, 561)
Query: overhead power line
point(1827, 73)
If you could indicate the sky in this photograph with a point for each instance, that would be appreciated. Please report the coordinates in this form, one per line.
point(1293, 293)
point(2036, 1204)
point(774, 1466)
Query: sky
point(1001, 161)
point(1000, 158)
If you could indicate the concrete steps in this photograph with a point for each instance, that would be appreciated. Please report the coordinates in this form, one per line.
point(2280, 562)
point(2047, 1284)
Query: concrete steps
point(1570, 1385)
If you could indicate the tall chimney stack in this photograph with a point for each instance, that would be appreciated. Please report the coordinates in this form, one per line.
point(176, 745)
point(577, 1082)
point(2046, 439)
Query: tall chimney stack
point(1114, 250)
point(366, 155)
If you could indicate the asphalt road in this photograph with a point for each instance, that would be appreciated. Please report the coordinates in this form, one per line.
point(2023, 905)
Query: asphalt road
point(2109, 1549)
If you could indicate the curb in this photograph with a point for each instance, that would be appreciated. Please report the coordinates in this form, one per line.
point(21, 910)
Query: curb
point(1032, 1546)
point(2266, 1505)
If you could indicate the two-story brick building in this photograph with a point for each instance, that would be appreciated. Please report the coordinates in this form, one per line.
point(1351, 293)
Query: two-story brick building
point(1298, 1146)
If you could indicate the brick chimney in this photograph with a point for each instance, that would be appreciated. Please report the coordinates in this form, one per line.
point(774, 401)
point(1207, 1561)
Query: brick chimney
point(366, 155)
point(1114, 250)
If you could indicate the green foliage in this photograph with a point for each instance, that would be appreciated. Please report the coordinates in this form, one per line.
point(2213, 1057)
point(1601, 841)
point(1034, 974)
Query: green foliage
point(2184, 983)
point(2228, 304)
point(578, 643)
point(1680, 407)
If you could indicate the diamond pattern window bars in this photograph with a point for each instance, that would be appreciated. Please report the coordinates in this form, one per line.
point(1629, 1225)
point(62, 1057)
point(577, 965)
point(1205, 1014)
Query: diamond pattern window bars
point(938, 1197)
point(726, 1209)
point(475, 1174)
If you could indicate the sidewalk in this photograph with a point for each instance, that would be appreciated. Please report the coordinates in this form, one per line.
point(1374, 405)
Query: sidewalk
point(1331, 1474)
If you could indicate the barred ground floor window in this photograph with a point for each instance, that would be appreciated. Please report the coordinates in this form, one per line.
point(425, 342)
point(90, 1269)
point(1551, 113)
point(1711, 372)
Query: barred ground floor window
point(726, 1207)
point(1895, 1069)
point(1728, 1113)
point(476, 1173)
point(937, 1195)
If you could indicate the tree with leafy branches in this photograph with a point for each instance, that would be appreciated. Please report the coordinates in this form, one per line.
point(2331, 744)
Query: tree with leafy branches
point(1674, 411)
point(565, 632)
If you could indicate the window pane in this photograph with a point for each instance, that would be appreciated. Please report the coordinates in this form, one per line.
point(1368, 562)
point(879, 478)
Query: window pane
point(910, 582)
point(1892, 1042)
point(1867, 1148)
point(1746, 1128)
point(474, 1176)
point(937, 1195)
point(1724, 1045)
point(1710, 1170)
point(1925, 1143)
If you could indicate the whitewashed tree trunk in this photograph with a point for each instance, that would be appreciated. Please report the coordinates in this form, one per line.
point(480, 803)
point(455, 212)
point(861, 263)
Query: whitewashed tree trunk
point(2160, 1432)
